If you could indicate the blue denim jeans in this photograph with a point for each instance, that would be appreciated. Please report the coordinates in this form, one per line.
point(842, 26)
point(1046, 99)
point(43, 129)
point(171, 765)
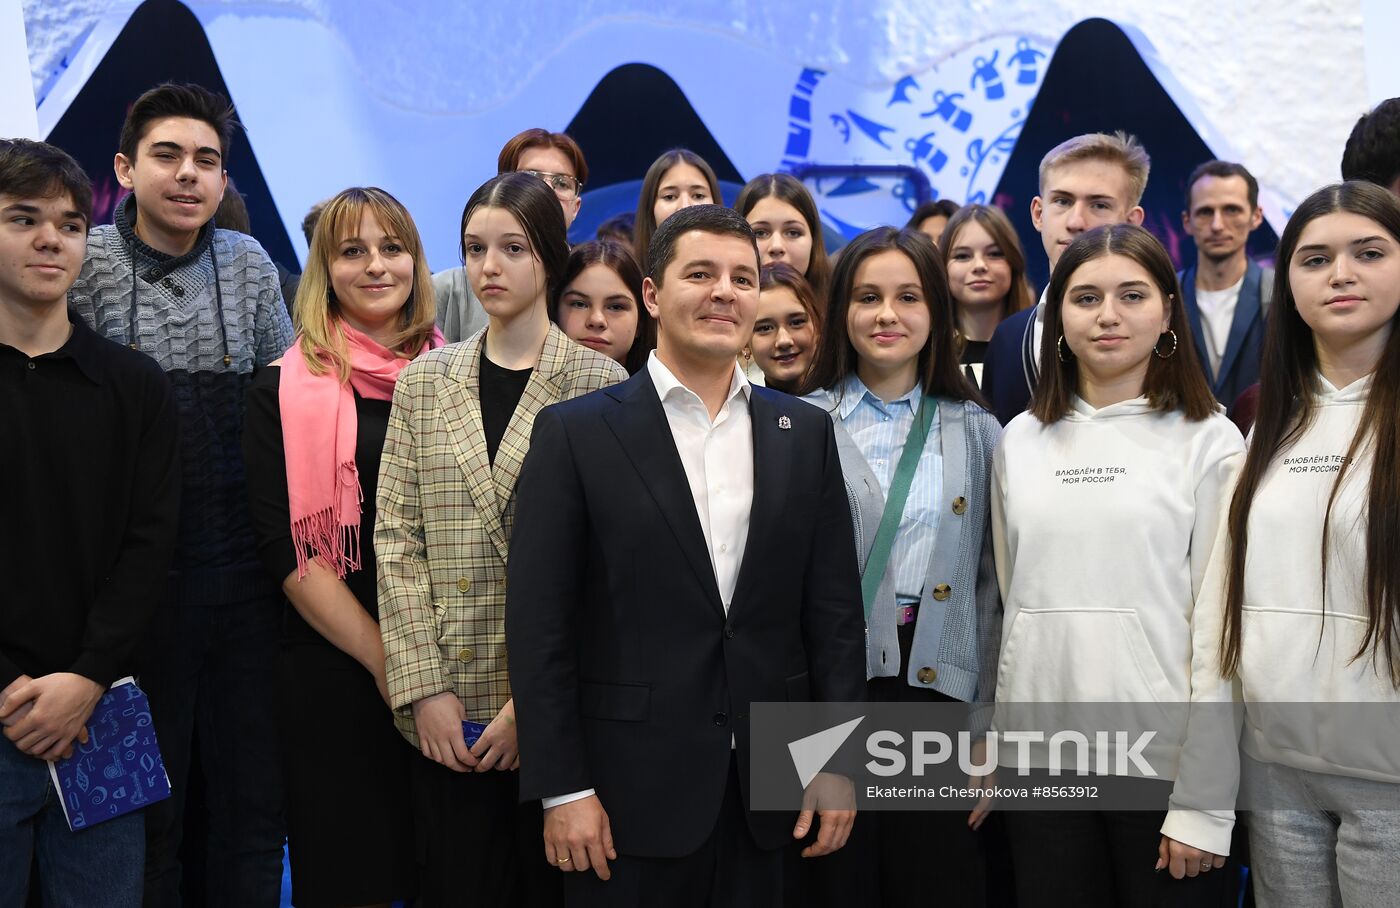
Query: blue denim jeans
point(100, 865)
point(212, 672)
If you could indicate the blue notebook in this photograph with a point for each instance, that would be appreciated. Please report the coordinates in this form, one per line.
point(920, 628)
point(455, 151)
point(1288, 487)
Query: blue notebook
point(119, 769)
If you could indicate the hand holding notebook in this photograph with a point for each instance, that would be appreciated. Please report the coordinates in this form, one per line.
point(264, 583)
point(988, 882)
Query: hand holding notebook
point(119, 769)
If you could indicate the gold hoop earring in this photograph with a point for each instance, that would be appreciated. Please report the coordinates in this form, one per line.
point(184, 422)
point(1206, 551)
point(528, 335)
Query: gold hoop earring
point(1169, 353)
point(1060, 351)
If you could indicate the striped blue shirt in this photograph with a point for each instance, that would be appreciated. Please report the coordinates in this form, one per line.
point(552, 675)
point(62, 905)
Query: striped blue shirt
point(879, 430)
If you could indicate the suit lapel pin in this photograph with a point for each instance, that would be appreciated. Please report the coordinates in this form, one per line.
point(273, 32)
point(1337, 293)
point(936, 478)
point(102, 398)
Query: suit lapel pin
point(784, 422)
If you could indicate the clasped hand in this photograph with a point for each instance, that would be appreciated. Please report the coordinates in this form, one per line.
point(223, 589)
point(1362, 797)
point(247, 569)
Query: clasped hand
point(44, 715)
point(439, 721)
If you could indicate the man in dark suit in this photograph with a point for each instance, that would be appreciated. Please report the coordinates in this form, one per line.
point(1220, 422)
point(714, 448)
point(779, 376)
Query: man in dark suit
point(1085, 182)
point(1226, 295)
point(683, 549)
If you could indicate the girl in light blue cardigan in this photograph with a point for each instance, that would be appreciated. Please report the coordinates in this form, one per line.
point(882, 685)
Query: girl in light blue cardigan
point(933, 623)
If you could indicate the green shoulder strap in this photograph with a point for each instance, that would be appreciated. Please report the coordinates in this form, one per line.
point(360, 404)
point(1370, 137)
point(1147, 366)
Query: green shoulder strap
point(894, 503)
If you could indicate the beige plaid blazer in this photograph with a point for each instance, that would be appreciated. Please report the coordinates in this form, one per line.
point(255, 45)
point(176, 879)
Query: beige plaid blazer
point(442, 534)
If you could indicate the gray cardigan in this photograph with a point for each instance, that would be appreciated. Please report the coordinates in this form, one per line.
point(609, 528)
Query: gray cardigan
point(957, 637)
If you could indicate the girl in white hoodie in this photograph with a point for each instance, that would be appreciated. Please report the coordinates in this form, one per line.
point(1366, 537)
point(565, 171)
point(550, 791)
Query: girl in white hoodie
point(1306, 617)
point(1106, 498)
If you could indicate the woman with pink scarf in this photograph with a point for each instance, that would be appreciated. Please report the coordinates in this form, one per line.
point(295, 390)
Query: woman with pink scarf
point(313, 435)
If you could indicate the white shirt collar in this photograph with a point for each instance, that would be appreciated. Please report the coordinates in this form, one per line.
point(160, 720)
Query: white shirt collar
point(668, 385)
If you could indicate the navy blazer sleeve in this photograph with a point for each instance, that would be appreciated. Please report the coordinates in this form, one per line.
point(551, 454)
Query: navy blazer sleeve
point(544, 590)
point(1004, 382)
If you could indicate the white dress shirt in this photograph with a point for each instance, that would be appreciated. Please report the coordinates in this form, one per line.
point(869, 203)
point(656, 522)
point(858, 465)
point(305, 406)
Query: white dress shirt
point(718, 459)
point(717, 456)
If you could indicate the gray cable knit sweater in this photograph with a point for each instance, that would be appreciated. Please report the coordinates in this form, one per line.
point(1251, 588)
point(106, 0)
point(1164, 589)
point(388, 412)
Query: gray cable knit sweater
point(175, 322)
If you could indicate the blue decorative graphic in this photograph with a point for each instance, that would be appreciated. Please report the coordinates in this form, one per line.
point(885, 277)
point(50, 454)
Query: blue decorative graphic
point(843, 126)
point(853, 186)
point(946, 106)
point(962, 160)
point(799, 141)
point(847, 229)
point(922, 149)
point(901, 91)
point(997, 150)
point(905, 193)
point(872, 129)
point(1025, 58)
point(985, 71)
point(119, 769)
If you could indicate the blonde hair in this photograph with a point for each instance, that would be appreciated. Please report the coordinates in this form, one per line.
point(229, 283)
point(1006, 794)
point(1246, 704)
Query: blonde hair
point(316, 313)
point(1119, 148)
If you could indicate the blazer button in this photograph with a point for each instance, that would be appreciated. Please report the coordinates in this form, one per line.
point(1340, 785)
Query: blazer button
point(463, 584)
point(959, 505)
point(927, 675)
point(942, 591)
point(729, 632)
point(721, 718)
point(466, 654)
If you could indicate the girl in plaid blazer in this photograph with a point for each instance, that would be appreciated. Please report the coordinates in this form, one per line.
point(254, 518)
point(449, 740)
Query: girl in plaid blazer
point(458, 433)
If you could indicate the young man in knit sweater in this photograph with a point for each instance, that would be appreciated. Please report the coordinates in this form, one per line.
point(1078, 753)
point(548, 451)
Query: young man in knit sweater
point(205, 305)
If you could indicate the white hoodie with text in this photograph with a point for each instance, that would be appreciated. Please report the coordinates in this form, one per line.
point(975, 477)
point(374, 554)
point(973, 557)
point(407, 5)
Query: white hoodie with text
point(1103, 524)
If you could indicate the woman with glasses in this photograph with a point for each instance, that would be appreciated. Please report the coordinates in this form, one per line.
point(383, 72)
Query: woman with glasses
point(553, 157)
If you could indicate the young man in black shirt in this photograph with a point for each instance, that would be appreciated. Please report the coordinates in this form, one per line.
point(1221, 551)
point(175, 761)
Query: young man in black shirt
point(89, 457)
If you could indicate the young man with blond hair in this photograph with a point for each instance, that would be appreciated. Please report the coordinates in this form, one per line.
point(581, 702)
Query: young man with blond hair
point(1085, 182)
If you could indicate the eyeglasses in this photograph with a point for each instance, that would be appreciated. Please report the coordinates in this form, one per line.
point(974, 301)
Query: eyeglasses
point(564, 186)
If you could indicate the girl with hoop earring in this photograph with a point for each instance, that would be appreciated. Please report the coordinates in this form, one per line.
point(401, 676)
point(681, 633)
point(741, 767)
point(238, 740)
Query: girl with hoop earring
point(1106, 499)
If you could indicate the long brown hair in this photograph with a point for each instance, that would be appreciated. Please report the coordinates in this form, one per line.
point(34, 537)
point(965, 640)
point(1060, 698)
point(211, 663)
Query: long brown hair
point(532, 204)
point(999, 228)
point(646, 200)
point(618, 259)
point(788, 188)
point(316, 313)
point(1288, 391)
point(938, 368)
point(1174, 383)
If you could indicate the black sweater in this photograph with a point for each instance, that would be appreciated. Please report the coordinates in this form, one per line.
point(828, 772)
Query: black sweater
point(90, 459)
point(264, 458)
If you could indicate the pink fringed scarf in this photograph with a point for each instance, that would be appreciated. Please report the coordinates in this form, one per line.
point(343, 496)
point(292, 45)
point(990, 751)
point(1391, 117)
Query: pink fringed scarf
point(318, 437)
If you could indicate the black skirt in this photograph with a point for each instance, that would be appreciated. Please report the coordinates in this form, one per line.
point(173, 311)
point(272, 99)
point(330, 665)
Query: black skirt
point(349, 801)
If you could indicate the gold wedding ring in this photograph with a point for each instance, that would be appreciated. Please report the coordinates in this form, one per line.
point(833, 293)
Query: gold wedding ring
point(564, 860)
